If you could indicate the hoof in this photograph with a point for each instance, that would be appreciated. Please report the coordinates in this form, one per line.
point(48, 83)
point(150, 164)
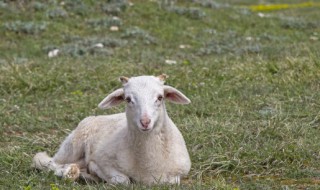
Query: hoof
point(72, 172)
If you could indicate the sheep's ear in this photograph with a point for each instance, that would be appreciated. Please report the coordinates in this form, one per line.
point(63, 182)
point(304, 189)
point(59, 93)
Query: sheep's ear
point(124, 80)
point(163, 77)
point(113, 99)
point(173, 95)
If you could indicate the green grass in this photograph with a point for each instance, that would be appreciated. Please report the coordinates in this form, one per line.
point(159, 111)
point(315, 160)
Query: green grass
point(254, 121)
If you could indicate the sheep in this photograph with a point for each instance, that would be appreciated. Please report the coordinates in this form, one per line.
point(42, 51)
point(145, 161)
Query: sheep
point(140, 145)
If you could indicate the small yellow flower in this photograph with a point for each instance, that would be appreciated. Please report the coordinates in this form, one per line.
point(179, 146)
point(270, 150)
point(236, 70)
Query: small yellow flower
point(272, 7)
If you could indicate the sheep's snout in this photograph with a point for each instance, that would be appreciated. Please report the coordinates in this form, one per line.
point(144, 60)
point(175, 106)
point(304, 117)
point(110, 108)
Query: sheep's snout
point(145, 123)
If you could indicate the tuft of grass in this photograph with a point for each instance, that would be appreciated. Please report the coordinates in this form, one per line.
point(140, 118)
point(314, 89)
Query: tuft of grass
point(25, 27)
point(192, 12)
point(138, 33)
point(81, 46)
point(57, 13)
point(105, 22)
point(115, 7)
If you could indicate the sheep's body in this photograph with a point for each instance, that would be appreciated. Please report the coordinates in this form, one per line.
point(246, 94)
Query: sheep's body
point(110, 148)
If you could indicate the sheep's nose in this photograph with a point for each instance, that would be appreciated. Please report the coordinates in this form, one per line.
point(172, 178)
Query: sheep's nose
point(145, 122)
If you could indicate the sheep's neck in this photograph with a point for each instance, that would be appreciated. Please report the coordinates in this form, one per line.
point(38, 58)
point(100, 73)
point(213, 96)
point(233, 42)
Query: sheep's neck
point(151, 145)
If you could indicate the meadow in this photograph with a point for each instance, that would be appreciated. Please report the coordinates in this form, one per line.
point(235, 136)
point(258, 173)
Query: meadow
point(252, 73)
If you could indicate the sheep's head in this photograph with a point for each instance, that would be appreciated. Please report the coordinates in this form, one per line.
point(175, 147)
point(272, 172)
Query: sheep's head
point(145, 96)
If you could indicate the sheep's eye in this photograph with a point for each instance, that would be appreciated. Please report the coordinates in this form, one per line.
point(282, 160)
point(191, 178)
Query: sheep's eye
point(128, 99)
point(160, 98)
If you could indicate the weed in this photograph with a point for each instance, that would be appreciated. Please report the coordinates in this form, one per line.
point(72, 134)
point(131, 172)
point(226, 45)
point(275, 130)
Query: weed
point(115, 7)
point(3, 5)
point(232, 43)
point(78, 46)
point(25, 27)
point(191, 12)
point(105, 22)
point(298, 24)
point(57, 13)
point(212, 4)
point(138, 33)
point(77, 7)
point(38, 6)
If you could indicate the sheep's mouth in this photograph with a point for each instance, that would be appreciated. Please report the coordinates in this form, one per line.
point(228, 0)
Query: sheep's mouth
point(146, 129)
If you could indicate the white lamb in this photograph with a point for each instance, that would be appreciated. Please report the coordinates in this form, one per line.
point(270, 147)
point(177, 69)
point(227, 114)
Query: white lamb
point(141, 145)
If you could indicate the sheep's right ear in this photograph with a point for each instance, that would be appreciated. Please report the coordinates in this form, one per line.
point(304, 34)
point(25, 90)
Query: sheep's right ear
point(124, 80)
point(113, 99)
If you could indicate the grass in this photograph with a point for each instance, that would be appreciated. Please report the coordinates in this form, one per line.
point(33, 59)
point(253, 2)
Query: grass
point(253, 79)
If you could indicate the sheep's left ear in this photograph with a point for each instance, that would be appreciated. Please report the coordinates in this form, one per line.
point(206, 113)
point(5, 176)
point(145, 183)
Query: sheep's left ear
point(113, 99)
point(175, 96)
point(163, 77)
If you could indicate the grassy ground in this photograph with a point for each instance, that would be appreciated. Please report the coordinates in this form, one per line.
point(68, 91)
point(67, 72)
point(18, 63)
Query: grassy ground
point(252, 77)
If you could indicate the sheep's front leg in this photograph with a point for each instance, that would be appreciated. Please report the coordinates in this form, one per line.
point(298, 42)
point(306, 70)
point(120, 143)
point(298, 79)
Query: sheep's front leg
point(174, 180)
point(109, 174)
point(116, 177)
point(71, 171)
